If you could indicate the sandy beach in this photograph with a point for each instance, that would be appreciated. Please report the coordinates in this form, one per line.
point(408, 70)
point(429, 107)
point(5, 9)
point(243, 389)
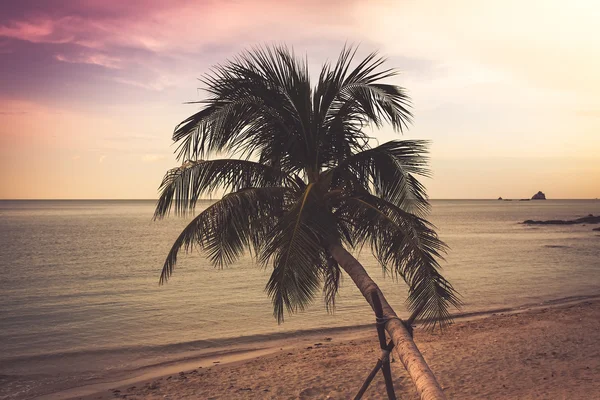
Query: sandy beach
point(544, 353)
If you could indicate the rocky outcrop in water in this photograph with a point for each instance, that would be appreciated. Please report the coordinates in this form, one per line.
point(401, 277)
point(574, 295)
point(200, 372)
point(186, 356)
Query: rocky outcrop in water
point(539, 196)
point(596, 229)
point(590, 219)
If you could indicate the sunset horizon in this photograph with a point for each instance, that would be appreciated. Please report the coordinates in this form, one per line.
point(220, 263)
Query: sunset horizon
point(266, 199)
point(90, 92)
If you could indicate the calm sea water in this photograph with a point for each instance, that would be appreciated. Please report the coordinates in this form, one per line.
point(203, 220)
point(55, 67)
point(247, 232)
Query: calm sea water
point(81, 301)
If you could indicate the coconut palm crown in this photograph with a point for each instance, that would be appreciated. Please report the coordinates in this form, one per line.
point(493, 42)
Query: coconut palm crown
point(300, 174)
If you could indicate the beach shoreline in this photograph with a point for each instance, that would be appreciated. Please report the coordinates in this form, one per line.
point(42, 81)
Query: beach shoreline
point(203, 374)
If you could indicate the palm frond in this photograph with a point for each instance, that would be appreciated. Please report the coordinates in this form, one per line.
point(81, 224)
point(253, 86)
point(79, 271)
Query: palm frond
point(406, 246)
point(334, 83)
point(387, 171)
point(259, 102)
point(296, 251)
point(372, 103)
point(238, 222)
point(332, 278)
point(183, 186)
point(347, 100)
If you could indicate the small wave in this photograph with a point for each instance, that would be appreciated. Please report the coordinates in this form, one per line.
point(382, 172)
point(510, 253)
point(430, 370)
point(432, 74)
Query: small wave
point(556, 246)
point(252, 340)
point(182, 347)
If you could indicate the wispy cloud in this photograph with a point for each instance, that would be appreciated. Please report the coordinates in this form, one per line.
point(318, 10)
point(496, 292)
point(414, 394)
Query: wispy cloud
point(42, 30)
point(102, 60)
point(157, 83)
point(148, 45)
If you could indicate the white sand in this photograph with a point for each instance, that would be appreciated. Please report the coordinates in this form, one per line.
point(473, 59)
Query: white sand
point(550, 353)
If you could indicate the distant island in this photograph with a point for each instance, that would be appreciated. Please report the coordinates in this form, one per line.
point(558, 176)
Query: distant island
point(539, 196)
point(590, 219)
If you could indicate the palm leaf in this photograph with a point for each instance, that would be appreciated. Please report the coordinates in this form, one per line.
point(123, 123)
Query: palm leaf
point(239, 221)
point(183, 186)
point(387, 171)
point(406, 246)
point(296, 251)
point(332, 278)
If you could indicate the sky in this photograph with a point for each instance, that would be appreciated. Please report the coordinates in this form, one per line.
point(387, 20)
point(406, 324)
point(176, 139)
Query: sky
point(507, 91)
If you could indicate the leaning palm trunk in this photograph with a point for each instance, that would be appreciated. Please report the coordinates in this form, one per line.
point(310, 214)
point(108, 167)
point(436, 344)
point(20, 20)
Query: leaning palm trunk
point(412, 359)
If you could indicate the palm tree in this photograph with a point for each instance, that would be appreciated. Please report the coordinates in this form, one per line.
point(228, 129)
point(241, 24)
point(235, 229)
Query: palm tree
point(303, 184)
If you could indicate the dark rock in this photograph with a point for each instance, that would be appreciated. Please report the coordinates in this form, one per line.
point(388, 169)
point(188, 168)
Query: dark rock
point(499, 198)
point(539, 196)
point(596, 229)
point(583, 220)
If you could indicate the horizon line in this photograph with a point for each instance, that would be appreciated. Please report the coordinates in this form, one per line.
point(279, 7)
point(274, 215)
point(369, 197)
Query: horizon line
point(142, 199)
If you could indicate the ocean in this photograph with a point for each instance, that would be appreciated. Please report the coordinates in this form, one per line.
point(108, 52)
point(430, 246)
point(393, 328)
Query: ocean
point(81, 302)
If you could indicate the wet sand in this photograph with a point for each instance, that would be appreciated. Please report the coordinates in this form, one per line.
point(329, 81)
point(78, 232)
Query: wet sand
point(545, 353)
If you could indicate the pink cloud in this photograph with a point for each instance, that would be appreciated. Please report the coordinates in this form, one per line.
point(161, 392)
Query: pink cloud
point(158, 83)
point(37, 31)
point(94, 59)
point(182, 25)
point(151, 45)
